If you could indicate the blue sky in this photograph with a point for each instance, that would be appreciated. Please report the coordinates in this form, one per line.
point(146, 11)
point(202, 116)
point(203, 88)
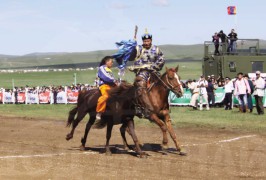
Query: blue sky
point(28, 26)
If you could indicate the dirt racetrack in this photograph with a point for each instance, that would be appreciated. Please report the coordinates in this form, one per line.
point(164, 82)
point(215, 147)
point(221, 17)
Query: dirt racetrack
point(37, 149)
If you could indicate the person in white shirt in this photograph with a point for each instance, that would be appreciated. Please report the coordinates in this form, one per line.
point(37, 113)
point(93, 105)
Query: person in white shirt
point(228, 88)
point(259, 85)
point(202, 84)
point(192, 86)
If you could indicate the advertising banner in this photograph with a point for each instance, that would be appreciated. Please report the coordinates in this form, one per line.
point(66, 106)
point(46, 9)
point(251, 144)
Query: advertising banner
point(21, 97)
point(61, 97)
point(219, 96)
point(8, 97)
point(72, 97)
point(33, 98)
point(44, 97)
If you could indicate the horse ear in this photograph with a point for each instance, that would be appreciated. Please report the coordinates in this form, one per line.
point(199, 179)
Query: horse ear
point(166, 68)
point(177, 67)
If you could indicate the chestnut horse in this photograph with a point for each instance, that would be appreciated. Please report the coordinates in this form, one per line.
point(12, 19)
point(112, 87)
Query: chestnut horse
point(158, 92)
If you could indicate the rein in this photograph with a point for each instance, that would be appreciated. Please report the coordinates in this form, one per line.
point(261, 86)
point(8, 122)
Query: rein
point(167, 79)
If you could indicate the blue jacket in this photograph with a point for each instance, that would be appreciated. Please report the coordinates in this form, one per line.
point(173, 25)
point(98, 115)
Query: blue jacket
point(106, 76)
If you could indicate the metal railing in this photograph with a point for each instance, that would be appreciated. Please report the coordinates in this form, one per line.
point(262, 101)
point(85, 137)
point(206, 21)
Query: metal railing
point(245, 47)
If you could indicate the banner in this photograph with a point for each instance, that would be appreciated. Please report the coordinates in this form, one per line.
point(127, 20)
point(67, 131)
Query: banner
point(72, 97)
point(44, 97)
point(8, 97)
point(219, 97)
point(61, 97)
point(33, 98)
point(21, 97)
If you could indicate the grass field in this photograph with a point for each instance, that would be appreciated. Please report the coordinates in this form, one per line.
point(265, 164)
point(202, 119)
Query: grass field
point(182, 116)
point(216, 118)
point(186, 70)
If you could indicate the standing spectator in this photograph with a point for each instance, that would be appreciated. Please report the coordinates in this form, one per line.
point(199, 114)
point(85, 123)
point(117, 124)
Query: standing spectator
point(224, 40)
point(241, 90)
point(16, 95)
point(202, 84)
point(55, 91)
point(210, 92)
point(228, 88)
point(249, 97)
point(192, 86)
point(233, 38)
point(215, 40)
point(259, 92)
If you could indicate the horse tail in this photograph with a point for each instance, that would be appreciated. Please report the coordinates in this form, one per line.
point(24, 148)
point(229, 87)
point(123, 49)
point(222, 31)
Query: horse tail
point(71, 116)
point(100, 124)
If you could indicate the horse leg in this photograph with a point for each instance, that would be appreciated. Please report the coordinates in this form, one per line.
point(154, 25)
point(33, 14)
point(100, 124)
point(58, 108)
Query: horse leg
point(135, 139)
point(127, 129)
point(123, 129)
point(80, 116)
point(171, 130)
point(163, 127)
point(108, 137)
point(87, 130)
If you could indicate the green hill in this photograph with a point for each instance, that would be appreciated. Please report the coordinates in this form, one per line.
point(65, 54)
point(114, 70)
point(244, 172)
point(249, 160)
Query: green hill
point(50, 59)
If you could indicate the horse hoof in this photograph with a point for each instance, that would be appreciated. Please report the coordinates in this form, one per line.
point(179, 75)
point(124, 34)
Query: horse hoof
point(164, 147)
point(182, 153)
point(108, 153)
point(82, 148)
point(143, 155)
point(69, 136)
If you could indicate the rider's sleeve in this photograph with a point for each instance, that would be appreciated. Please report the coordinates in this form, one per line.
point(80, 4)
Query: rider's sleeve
point(105, 76)
point(133, 55)
point(159, 62)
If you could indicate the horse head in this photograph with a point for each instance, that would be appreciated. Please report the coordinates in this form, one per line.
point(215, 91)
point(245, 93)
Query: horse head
point(173, 82)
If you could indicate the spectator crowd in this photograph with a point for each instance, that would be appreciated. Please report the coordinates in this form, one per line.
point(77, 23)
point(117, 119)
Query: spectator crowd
point(202, 90)
point(242, 87)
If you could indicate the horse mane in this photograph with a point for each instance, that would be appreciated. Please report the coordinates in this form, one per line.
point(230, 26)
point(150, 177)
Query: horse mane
point(124, 91)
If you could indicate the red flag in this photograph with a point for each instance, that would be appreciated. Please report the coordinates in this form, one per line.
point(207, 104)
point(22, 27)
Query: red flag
point(231, 10)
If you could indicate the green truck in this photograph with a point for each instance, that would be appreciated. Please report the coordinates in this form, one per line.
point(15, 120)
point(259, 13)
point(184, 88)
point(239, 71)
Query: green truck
point(247, 58)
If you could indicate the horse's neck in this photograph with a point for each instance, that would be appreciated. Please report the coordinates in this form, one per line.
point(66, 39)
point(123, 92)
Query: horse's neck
point(160, 89)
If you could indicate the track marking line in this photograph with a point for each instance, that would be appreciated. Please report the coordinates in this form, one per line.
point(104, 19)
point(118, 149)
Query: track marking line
point(44, 155)
point(221, 141)
point(82, 153)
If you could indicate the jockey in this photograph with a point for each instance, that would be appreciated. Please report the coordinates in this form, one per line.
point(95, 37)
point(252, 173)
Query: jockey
point(106, 81)
point(151, 55)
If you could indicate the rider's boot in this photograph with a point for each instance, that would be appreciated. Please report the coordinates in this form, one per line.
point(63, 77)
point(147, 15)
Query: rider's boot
point(143, 98)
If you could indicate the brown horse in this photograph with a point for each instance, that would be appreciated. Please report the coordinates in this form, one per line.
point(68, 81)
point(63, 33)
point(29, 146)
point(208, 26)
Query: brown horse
point(118, 112)
point(158, 93)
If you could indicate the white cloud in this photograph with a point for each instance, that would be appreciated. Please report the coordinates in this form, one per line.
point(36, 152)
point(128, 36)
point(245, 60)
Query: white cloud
point(160, 2)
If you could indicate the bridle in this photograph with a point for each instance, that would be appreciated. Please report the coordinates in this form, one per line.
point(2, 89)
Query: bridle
point(167, 85)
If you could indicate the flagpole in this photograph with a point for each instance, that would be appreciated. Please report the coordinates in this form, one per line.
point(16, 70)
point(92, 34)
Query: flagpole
point(235, 22)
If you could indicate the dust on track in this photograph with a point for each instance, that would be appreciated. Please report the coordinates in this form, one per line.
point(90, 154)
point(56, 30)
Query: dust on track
point(36, 148)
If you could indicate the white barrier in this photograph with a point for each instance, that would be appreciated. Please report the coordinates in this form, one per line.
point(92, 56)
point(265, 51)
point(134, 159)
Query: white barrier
point(64, 96)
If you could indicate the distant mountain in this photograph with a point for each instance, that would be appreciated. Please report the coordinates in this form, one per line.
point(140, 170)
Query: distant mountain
point(59, 59)
point(45, 53)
